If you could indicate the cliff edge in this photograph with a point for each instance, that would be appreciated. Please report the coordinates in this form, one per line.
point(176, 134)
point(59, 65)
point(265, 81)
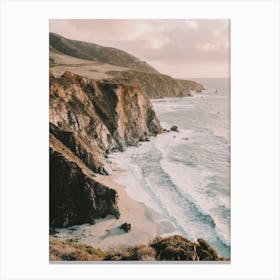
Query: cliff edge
point(88, 120)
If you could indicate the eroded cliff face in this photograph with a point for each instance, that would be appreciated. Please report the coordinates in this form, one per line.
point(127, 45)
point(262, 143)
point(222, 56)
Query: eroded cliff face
point(158, 85)
point(88, 120)
point(93, 118)
point(75, 198)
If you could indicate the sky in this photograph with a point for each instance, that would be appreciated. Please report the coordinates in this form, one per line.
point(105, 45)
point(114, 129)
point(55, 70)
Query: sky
point(181, 48)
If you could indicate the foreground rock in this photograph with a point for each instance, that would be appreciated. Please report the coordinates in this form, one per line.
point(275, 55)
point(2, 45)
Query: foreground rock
point(179, 248)
point(173, 248)
point(74, 197)
point(126, 227)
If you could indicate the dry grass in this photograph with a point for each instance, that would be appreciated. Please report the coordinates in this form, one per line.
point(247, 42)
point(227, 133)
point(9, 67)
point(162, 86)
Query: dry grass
point(71, 251)
point(173, 248)
point(135, 253)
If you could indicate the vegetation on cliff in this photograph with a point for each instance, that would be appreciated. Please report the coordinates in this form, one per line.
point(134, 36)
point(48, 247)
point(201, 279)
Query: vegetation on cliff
point(173, 248)
point(97, 53)
point(72, 251)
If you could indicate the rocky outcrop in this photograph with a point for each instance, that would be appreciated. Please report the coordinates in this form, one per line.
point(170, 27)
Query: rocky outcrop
point(172, 248)
point(88, 120)
point(180, 248)
point(93, 117)
point(174, 128)
point(126, 227)
point(74, 197)
point(191, 85)
point(158, 85)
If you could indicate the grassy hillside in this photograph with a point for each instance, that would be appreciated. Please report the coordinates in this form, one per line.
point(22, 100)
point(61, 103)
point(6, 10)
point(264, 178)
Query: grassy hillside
point(97, 53)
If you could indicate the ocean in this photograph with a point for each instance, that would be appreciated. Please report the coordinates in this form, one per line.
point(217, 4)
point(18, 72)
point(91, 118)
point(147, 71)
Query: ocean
point(185, 175)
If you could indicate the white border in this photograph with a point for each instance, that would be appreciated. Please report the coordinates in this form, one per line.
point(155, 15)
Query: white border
point(255, 138)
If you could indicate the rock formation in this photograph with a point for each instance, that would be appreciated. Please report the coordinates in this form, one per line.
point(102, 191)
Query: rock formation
point(126, 227)
point(158, 85)
point(180, 248)
point(174, 128)
point(88, 120)
point(74, 197)
point(172, 248)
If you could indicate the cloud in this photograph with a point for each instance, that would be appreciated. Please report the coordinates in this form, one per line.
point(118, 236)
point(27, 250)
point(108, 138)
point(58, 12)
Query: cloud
point(192, 24)
point(174, 43)
point(159, 42)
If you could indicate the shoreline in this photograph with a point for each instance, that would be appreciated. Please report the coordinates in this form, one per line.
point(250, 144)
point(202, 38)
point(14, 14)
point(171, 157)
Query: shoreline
point(105, 234)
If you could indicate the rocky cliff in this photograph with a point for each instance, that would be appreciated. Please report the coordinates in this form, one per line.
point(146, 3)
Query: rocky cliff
point(89, 119)
point(159, 85)
point(76, 198)
point(99, 106)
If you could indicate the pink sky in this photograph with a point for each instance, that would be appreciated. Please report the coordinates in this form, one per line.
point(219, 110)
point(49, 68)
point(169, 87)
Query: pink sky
point(180, 48)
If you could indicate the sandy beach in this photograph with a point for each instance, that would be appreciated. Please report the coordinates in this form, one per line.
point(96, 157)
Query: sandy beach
point(146, 223)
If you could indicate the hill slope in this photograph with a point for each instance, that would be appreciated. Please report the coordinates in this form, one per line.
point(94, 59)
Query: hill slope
point(97, 53)
point(97, 62)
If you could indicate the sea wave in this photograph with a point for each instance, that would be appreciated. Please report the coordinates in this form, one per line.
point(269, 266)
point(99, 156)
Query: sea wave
point(185, 175)
point(160, 188)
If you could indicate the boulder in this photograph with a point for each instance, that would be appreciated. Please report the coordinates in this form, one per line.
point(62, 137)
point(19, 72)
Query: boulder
point(174, 128)
point(126, 227)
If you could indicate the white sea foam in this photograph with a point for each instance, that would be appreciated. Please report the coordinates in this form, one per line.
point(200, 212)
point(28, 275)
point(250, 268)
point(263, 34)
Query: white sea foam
point(185, 176)
point(132, 178)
